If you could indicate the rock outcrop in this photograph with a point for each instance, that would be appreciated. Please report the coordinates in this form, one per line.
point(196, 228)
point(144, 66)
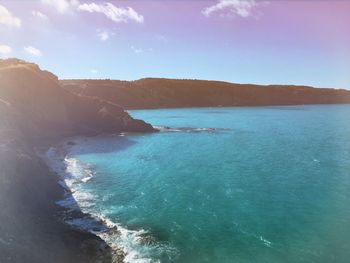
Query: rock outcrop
point(172, 93)
point(37, 97)
point(35, 110)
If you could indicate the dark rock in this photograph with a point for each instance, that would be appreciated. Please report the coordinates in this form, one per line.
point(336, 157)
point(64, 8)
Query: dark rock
point(36, 111)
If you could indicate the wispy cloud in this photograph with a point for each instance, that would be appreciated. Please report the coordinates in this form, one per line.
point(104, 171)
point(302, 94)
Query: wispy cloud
point(33, 51)
point(136, 50)
point(5, 50)
point(93, 71)
point(103, 35)
point(241, 8)
point(8, 19)
point(39, 15)
point(116, 14)
point(161, 38)
point(62, 6)
point(140, 50)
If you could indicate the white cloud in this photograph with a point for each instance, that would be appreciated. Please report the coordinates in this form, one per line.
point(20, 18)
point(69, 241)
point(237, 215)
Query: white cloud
point(39, 15)
point(104, 35)
point(116, 14)
point(6, 18)
point(242, 8)
point(62, 6)
point(140, 50)
point(136, 50)
point(33, 51)
point(93, 71)
point(5, 50)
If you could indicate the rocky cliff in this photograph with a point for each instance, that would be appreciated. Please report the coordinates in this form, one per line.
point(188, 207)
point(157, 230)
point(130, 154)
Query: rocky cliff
point(170, 93)
point(35, 110)
point(37, 97)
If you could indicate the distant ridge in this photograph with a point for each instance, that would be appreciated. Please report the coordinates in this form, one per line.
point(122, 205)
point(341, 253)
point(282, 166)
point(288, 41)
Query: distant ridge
point(150, 93)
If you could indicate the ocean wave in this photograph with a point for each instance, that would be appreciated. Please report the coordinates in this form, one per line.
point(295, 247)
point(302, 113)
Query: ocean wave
point(133, 245)
point(266, 242)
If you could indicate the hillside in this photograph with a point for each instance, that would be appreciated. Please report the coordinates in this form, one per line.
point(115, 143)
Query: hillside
point(36, 112)
point(170, 93)
point(37, 97)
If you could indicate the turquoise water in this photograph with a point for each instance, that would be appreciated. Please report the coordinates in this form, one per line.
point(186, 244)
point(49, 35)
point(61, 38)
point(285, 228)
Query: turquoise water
point(268, 184)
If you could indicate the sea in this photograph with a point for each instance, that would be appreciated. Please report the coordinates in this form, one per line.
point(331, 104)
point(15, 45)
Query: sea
point(219, 185)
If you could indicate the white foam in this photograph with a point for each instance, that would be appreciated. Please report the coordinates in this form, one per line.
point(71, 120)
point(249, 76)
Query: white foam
point(73, 174)
point(265, 241)
point(130, 241)
point(261, 238)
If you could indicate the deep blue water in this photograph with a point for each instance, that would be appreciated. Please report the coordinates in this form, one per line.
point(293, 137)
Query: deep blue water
point(267, 185)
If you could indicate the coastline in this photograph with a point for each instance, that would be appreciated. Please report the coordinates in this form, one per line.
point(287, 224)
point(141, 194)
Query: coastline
point(68, 210)
point(32, 120)
point(97, 229)
point(122, 243)
point(28, 210)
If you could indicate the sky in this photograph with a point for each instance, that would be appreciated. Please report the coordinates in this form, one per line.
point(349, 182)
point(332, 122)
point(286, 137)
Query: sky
point(301, 42)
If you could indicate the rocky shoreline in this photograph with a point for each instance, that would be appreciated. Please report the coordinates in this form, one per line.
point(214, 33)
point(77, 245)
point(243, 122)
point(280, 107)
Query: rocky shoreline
point(32, 224)
point(35, 113)
point(69, 211)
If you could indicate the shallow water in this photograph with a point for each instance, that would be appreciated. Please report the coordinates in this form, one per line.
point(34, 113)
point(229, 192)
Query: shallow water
point(259, 184)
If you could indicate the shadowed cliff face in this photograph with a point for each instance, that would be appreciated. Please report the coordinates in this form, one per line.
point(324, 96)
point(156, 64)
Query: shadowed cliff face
point(34, 109)
point(47, 109)
point(30, 230)
point(170, 93)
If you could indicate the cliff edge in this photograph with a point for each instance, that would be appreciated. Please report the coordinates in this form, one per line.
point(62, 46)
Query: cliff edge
point(35, 110)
